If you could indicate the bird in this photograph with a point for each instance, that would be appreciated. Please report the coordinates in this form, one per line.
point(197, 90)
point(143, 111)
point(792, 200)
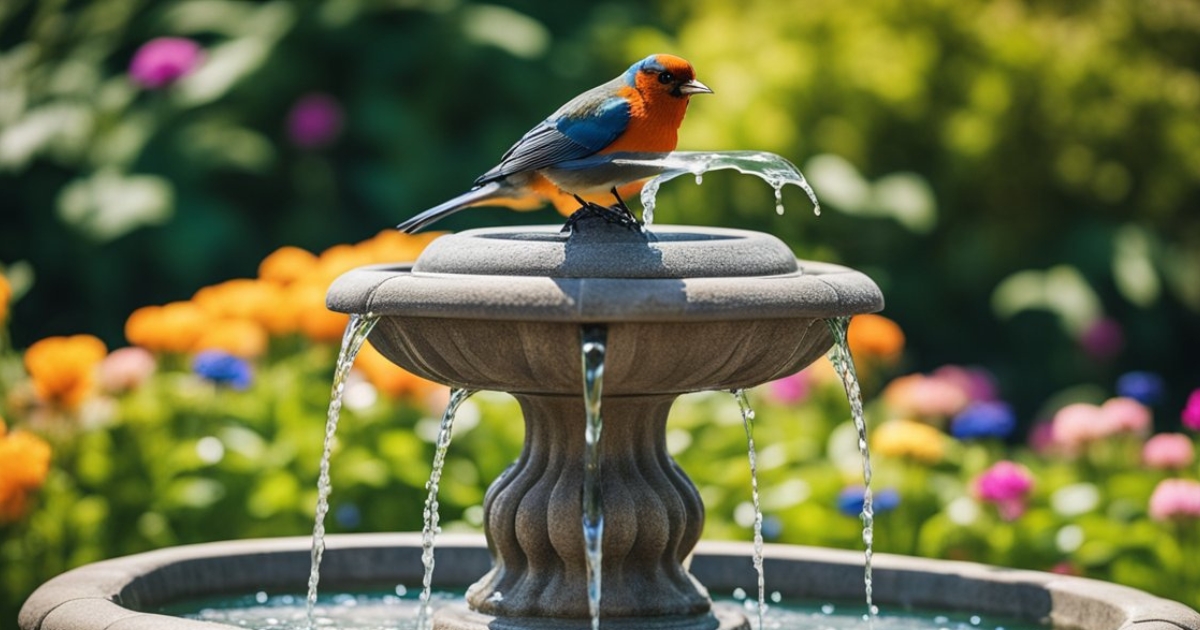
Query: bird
point(638, 111)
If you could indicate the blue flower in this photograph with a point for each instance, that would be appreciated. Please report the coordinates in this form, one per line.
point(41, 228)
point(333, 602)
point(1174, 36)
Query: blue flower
point(850, 500)
point(1144, 387)
point(984, 419)
point(223, 368)
point(348, 516)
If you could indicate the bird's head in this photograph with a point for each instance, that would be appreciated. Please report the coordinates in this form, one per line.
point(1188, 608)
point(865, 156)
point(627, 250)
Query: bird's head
point(665, 74)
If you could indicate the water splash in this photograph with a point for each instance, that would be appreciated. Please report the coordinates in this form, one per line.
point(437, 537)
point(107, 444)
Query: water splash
point(430, 530)
point(352, 341)
point(771, 168)
point(593, 341)
point(748, 422)
point(843, 364)
point(663, 167)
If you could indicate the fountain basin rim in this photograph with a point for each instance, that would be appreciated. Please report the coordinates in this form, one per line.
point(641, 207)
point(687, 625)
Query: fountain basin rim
point(816, 290)
point(92, 597)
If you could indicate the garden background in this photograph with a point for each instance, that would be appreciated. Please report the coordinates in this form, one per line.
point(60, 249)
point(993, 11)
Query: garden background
point(1021, 179)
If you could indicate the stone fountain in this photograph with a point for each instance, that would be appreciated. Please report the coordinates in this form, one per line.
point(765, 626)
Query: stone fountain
point(682, 309)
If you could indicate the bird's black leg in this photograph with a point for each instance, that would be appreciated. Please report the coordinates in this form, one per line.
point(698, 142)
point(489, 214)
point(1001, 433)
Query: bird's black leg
point(618, 215)
point(622, 207)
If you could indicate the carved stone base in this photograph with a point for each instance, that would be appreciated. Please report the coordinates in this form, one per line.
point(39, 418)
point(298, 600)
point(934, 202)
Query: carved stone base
point(653, 517)
point(722, 617)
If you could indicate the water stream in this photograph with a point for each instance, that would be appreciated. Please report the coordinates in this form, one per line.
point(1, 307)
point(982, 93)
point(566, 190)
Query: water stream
point(843, 364)
point(430, 530)
point(352, 341)
point(774, 169)
point(748, 422)
point(592, 343)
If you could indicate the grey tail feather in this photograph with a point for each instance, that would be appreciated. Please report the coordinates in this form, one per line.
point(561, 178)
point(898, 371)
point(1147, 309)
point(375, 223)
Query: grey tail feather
point(445, 209)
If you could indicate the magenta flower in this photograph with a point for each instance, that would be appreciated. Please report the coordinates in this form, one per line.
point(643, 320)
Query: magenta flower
point(1103, 339)
point(978, 383)
point(1191, 411)
point(314, 121)
point(1175, 499)
point(1006, 485)
point(163, 61)
point(789, 389)
point(1169, 451)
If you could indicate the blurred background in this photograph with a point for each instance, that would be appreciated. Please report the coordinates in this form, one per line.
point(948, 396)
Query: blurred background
point(1021, 179)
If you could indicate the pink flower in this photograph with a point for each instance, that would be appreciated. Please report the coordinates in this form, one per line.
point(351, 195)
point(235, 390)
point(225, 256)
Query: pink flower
point(1126, 415)
point(789, 389)
point(1191, 411)
point(929, 397)
point(977, 383)
point(1103, 339)
point(1168, 451)
point(163, 61)
point(125, 369)
point(1175, 499)
point(1005, 484)
point(314, 121)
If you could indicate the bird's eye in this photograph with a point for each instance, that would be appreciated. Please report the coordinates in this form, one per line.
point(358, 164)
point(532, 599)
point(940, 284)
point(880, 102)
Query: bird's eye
point(665, 77)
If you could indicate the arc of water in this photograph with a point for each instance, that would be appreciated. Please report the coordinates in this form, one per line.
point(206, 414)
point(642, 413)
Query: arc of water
point(353, 338)
point(430, 530)
point(593, 347)
point(843, 364)
point(748, 422)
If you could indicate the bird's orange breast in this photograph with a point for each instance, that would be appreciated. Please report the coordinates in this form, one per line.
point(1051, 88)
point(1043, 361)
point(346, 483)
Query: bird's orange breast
point(653, 123)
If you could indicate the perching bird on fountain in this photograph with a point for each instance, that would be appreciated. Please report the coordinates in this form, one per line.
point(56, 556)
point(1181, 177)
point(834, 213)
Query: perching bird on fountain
point(639, 111)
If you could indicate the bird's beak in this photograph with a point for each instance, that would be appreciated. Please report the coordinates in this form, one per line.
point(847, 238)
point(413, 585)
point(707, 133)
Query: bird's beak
point(694, 87)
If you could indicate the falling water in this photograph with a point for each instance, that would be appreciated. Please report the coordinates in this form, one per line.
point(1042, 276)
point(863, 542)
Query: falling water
point(593, 339)
point(748, 422)
point(430, 530)
point(352, 341)
point(843, 364)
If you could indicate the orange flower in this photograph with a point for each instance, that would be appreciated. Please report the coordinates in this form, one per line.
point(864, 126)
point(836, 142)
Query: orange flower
point(24, 464)
point(317, 322)
point(388, 377)
point(170, 328)
point(287, 265)
point(255, 300)
point(875, 336)
point(5, 296)
point(240, 337)
point(63, 369)
point(396, 246)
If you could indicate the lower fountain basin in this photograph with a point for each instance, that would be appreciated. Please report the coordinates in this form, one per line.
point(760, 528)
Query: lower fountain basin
point(113, 594)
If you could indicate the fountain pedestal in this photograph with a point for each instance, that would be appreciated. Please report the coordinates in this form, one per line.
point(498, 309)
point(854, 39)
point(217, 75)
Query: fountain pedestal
point(686, 309)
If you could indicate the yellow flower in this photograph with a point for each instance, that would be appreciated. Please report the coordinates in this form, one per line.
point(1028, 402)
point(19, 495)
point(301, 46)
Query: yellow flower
point(908, 439)
point(173, 327)
point(63, 369)
point(875, 337)
point(24, 464)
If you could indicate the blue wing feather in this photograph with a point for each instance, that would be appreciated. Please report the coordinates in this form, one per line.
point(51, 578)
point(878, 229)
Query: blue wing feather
point(582, 127)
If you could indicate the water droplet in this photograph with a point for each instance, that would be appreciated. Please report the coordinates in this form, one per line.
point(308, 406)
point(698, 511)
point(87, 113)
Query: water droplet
point(776, 597)
point(699, 178)
point(401, 590)
point(260, 597)
point(739, 593)
point(976, 620)
point(828, 609)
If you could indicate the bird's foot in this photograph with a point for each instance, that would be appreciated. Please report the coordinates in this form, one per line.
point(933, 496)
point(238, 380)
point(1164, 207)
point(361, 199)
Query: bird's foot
point(614, 215)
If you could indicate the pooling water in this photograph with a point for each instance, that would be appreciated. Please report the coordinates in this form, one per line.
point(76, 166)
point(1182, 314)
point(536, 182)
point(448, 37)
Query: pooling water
point(352, 341)
point(398, 608)
point(748, 423)
point(592, 344)
point(843, 364)
point(430, 530)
